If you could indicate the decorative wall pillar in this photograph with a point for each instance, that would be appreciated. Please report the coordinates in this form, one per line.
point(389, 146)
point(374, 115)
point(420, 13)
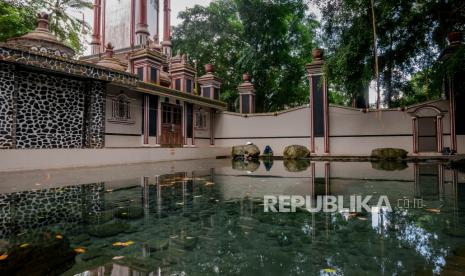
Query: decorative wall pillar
point(166, 43)
point(210, 85)
point(212, 127)
point(95, 43)
point(319, 107)
point(439, 131)
point(94, 126)
point(453, 133)
point(415, 134)
point(142, 32)
point(8, 93)
point(246, 95)
point(146, 119)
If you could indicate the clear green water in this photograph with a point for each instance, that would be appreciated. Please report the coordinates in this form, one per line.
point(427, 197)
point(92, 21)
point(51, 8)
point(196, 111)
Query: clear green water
point(206, 218)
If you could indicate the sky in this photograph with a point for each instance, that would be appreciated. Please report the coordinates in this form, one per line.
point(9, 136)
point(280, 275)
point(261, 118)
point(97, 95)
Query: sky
point(176, 7)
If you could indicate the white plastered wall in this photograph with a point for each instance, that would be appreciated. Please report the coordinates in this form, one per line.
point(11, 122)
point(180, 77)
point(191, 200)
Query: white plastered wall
point(131, 131)
point(351, 131)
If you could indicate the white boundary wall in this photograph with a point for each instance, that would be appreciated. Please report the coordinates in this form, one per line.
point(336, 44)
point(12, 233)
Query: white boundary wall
point(351, 131)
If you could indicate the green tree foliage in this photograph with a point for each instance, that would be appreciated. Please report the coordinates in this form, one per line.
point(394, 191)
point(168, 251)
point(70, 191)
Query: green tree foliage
point(19, 17)
point(15, 20)
point(410, 37)
point(271, 40)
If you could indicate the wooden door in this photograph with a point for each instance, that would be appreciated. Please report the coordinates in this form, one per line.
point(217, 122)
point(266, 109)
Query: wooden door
point(171, 126)
point(427, 134)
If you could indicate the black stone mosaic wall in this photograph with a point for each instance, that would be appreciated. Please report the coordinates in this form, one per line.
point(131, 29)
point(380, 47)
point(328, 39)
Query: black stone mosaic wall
point(49, 111)
point(7, 85)
point(95, 115)
point(42, 111)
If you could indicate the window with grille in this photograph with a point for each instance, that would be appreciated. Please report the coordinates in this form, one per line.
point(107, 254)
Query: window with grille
point(121, 108)
point(201, 119)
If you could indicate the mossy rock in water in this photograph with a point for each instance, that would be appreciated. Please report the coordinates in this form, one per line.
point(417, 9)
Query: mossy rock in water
point(296, 152)
point(455, 232)
point(130, 213)
point(141, 264)
point(108, 229)
point(94, 253)
point(388, 165)
point(459, 252)
point(389, 153)
point(188, 243)
point(48, 256)
point(79, 238)
point(296, 165)
point(99, 218)
point(284, 239)
point(251, 150)
point(241, 165)
point(158, 244)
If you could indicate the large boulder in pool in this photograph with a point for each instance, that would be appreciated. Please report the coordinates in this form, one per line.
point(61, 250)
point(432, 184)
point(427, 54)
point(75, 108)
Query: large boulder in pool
point(296, 152)
point(251, 150)
point(389, 153)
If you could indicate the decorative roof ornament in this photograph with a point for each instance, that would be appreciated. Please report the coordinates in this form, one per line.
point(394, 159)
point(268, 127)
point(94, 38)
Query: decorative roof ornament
point(109, 61)
point(42, 40)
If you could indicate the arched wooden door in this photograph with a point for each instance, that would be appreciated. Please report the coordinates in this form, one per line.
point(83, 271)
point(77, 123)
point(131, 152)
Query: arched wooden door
point(171, 126)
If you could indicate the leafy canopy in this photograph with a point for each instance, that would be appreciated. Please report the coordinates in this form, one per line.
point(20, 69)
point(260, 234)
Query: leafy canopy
point(410, 37)
point(271, 40)
point(19, 16)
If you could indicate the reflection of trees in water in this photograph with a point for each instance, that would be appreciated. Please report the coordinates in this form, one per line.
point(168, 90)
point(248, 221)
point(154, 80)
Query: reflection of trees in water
point(187, 226)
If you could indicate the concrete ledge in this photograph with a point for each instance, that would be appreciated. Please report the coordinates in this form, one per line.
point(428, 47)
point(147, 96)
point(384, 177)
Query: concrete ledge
point(38, 159)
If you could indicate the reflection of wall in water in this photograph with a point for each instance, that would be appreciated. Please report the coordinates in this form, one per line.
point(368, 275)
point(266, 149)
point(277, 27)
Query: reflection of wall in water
point(40, 208)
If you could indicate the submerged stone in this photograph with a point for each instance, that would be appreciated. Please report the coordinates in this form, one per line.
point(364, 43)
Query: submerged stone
point(98, 218)
point(79, 238)
point(188, 243)
point(130, 213)
point(455, 232)
point(95, 253)
point(108, 229)
point(159, 244)
point(46, 257)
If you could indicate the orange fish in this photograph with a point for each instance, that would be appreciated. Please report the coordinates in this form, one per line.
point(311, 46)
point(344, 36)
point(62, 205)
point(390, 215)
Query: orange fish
point(80, 250)
point(433, 210)
point(3, 256)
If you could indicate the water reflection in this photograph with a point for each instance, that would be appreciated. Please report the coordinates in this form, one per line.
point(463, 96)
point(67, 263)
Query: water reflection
point(206, 217)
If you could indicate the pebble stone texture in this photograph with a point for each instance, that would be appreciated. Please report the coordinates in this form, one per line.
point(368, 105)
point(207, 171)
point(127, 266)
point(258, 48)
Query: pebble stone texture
point(35, 209)
point(95, 123)
point(40, 111)
point(7, 86)
point(50, 112)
